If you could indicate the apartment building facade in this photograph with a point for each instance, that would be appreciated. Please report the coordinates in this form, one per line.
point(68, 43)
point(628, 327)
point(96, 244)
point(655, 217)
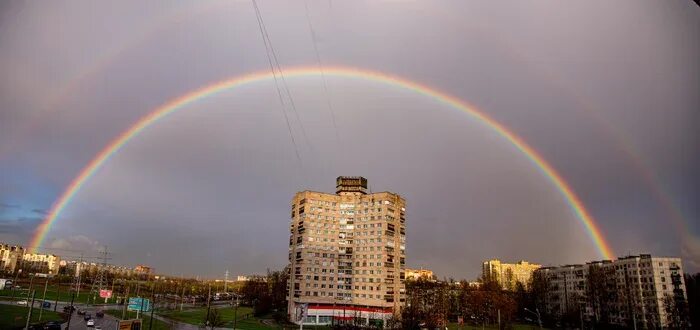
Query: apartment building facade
point(508, 275)
point(41, 263)
point(416, 274)
point(346, 255)
point(638, 290)
point(10, 257)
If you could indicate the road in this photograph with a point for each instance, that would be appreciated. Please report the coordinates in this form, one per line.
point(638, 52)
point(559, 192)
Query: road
point(78, 321)
point(107, 322)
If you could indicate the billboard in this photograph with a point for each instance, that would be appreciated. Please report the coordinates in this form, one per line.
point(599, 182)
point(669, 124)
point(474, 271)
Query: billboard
point(105, 293)
point(129, 325)
point(139, 304)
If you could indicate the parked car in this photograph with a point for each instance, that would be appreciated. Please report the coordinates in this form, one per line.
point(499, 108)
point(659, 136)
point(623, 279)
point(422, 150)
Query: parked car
point(46, 304)
point(51, 325)
point(80, 312)
point(68, 309)
point(90, 323)
point(97, 327)
point(87, 317)
point(100, 314)
point(22, 302)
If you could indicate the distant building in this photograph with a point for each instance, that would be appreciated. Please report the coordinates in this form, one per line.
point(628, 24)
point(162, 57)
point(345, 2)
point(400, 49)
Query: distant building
point(346, 254)
point(41, 263)
point(10, 257)
point(642, 287)
point(242, 278)
point(508, 275)
point(78, 268)
point(415, 274)
point(143, 270)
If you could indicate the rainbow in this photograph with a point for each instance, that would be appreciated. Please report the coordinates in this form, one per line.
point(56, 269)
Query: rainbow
point(181, 102)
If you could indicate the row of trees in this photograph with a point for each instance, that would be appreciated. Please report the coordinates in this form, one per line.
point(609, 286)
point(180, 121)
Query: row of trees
point(431, 304)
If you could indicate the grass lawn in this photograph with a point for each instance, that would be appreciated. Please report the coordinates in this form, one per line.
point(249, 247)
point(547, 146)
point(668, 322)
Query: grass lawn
point(516, 326)
point(14, 317)
point(51, 294)
point(146, 319)
point(245, 319)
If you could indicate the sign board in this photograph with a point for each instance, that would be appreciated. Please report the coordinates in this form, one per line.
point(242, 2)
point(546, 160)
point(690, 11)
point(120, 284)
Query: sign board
point(129, 325)
point(302, 311)
point(139, 304)
point(105, 293)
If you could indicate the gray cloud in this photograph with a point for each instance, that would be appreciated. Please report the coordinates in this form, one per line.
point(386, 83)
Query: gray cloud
point(207, 189)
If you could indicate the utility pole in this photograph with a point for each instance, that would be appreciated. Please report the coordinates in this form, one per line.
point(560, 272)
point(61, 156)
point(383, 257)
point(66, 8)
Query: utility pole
point(208, 305)
point(126, 302)
point(43, 299)
point(226, 281)
point(182, 297)
point(58, 293)
point(153, 306)
point(101, 272)
point(70, 311)
point(31, 307)
point(235, 313)
point(76, 279)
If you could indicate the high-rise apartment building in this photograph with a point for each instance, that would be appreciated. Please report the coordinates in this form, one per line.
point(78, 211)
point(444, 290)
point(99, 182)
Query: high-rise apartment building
point(347, 255)
point(633, 291)
point(508, 275)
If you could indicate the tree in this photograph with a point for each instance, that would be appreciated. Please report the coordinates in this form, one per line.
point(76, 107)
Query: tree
point(601, 291)
point(214, 319)
point(266, 294)
point(676, 312)
point(693, 291)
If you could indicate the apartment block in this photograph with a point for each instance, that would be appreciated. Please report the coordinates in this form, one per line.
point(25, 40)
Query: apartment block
point(41, 263)
point(415, 274)
point(508, 275)
point(10, 257)
point(347, 255)
point(639, 288)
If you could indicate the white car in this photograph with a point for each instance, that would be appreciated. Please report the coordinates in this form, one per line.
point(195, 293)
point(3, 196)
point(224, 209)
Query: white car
point(90, 323)
point(22, 302)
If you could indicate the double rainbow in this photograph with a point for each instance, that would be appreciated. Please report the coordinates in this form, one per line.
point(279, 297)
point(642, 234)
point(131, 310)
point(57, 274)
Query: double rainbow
point(343, 72)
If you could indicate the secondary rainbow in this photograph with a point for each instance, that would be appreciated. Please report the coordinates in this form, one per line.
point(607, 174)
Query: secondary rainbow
point(344, 72)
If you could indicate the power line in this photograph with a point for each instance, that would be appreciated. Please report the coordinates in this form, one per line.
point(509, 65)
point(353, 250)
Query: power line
point(274, 76)
point(279, 69)
point(320, 67)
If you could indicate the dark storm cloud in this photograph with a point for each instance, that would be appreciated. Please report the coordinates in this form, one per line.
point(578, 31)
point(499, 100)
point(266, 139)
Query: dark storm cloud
point(8, 206)
point(17, 227)
point(208, 189)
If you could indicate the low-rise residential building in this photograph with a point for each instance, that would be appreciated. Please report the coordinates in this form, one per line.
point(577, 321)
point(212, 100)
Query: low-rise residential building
point(631, 291)
point(508, 275)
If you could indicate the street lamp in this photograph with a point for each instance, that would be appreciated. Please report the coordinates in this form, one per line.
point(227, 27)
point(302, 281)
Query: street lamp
point(539, 318)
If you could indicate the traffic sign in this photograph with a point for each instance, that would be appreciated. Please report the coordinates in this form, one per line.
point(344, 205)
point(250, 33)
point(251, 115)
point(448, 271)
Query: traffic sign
point(139, 304)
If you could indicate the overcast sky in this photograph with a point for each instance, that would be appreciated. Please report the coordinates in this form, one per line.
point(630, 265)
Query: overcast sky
point(606, 91)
